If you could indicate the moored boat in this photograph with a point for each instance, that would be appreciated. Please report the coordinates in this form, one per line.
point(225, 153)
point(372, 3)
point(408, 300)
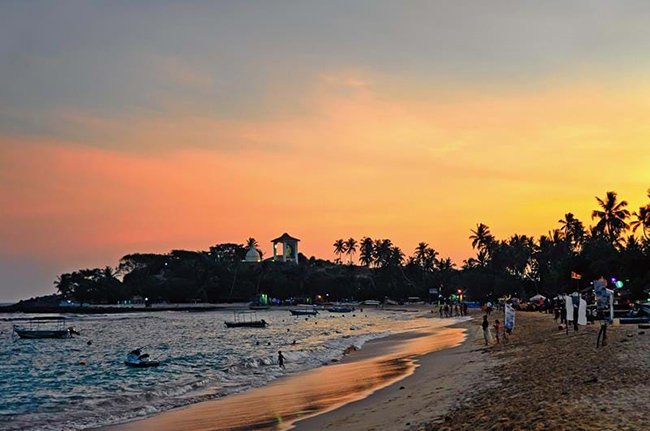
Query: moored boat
point(246, 319)
point(43, 327)
point(303, 312)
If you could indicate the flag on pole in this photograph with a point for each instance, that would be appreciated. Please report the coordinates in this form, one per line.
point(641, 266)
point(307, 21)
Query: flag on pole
point(576, 276)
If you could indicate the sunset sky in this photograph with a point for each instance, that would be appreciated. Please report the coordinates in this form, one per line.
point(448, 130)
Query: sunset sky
point(160, 125)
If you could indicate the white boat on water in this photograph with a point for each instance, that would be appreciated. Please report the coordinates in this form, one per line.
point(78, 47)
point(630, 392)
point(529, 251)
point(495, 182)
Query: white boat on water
point(43, 327)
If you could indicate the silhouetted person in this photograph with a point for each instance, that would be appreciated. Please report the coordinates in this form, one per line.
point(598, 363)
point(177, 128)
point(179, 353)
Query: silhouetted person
point(281, 359)
point(486, 330)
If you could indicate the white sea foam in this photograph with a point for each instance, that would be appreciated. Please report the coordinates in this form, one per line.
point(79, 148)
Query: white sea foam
point(48, 389)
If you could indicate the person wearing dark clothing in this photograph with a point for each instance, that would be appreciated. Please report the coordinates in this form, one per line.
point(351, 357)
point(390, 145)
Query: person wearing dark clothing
point(486, 331)
point(281, 360)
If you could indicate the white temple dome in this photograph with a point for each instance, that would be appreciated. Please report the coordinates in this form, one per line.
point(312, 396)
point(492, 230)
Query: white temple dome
point(252, 255)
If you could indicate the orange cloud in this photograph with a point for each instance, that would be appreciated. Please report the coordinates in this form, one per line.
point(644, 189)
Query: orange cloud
point(347, 163)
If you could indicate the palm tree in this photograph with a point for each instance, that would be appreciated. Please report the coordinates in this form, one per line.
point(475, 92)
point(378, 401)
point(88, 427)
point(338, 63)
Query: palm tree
point(351, 248)
point(421, 253)
point(251, 243)
point(366, 251)
point(481, 238)
point(339, 248)
point(446, 265)
point(396, 256)
point(612, 215)
point(573, 229)
point(430, 259)
point(382, 252)
point(642, 221)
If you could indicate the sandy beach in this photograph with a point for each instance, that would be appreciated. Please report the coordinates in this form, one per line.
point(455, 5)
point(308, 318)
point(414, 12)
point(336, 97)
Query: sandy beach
point(544, 379)
point(373, 385)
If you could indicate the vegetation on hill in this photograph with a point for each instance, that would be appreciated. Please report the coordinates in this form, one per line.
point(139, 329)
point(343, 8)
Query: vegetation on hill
point(617, 245)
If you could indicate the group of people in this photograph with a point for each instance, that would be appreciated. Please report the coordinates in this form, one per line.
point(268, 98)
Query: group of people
point(500, 332)
point(453, 310)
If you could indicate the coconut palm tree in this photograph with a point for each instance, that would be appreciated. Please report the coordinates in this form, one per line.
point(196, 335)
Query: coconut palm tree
point(366, 251)
point(430, 259)
point(446, 265)
point(382, 252)
point(421, 253)
point(339, 248)
point(351, 248)
point(481, 238)
point(611, 216)
point(572, 229)
point(642, 221)
point(396, 256)
point(252, 243)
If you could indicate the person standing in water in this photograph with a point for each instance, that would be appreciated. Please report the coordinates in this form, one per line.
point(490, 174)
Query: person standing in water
point(281, 360)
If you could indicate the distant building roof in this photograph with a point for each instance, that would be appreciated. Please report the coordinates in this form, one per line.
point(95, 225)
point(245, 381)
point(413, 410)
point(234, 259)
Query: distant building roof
point(285, 237)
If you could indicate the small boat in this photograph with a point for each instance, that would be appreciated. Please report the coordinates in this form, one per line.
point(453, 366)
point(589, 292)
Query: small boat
point(340, 309)
point(43, 327)
point(136, 359)
point(304, 312)
point(246, 319)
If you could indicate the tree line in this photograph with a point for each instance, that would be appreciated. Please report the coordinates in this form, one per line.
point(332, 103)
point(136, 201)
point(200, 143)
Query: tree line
point(616, 245)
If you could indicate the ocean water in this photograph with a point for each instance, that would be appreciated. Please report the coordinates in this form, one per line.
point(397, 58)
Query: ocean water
point(71, 385)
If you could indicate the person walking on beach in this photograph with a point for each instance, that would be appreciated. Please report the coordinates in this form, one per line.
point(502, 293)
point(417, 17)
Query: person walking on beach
point(281, 360)
point(441, 310)
point(486, 330)
point(497, 329)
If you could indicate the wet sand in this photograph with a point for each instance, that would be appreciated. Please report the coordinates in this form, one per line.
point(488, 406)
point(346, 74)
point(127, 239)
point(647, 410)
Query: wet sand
point(373, 370)
point(439, 380)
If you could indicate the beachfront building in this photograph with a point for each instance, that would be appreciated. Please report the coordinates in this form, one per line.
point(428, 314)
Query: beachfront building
point(289, 252)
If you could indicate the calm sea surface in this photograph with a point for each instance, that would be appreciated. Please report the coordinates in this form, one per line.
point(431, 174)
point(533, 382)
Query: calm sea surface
point(70, 385)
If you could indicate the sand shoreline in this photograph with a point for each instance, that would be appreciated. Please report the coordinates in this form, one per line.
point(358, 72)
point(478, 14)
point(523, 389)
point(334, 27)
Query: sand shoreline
point(544, 379)
point(438, 382)
point(373, 370)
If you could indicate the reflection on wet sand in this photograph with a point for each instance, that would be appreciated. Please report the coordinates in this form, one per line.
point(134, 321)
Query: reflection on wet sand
point(278, 405)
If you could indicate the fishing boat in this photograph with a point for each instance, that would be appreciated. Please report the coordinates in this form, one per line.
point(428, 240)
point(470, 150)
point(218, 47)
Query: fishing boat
point(304, 312)
point(43, 327)
point(136, 359)
point(246, 319)
point(340, 309)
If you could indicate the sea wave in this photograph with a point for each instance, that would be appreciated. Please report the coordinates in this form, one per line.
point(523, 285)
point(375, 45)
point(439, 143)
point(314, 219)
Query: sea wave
point(75, 385)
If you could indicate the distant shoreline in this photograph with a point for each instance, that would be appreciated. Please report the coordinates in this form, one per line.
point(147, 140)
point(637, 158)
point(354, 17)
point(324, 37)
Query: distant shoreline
point(18, 308)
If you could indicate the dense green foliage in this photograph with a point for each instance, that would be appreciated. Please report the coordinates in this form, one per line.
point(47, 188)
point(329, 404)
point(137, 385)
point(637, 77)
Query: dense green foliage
point(519, 265)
